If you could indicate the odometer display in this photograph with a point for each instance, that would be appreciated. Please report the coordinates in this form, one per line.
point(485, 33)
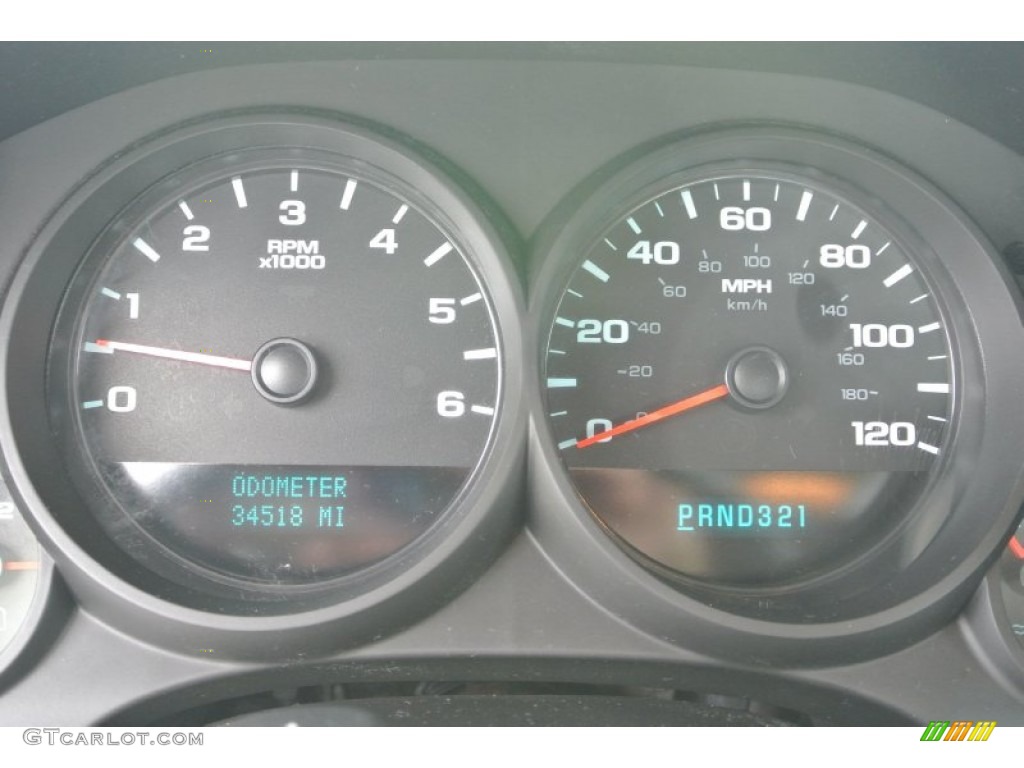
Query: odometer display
point(749, 378)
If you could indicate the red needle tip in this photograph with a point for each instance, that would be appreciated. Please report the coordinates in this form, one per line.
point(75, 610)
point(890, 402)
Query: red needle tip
point(1017, 548)
point(672, 409)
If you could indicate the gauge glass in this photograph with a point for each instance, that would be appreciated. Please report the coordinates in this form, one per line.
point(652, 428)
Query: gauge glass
point(282, 372)
point(19, 570)
point(748, 377)
point(1011, 568)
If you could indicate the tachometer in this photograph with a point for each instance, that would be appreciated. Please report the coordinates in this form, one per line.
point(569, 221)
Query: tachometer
point(283, 373)
point(278, 379)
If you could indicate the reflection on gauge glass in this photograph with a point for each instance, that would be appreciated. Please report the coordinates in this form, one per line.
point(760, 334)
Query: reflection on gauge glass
point(1011, 569)
point(282, 371)
point(20, 567)
point(749, 377)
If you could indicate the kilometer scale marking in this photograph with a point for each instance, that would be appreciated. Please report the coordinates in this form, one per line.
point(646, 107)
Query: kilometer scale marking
point(480, 354)
point(929, 328)
point(483, 410)
point(399, 214)
point(92, 404)
point(186, 210)
point(473, 297)
point(933, 387)
point(110, 294)
point(859, 230)
point(293, 184)
point(634, 226)
point(561, 383)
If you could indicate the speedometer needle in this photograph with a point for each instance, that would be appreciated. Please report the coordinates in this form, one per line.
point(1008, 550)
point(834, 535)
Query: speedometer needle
point(672, 409)
point(177, 354)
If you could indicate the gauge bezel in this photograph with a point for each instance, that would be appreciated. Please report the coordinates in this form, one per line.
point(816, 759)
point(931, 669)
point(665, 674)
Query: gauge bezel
point(960, 265)
point(384, 598)
point(17, 654)
point(986, 623)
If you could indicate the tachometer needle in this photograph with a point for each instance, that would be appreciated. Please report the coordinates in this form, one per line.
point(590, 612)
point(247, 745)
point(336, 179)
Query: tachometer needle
point(177, 354)
point(672, 409)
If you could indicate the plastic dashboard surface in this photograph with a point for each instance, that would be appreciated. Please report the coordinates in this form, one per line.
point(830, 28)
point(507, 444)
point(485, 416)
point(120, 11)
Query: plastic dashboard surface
point(526, 133)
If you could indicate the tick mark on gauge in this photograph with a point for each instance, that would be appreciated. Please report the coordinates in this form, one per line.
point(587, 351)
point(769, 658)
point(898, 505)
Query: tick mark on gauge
point(898, 275)
point(835, 210)
point(922, 297)
point(566, 444)
point(571, 292)
point(399, 214)
point(657, 207)
point(146, 249)
point(90, 346)
point(110, 294)
point(937, 418)
point(610, 244)
point(883, 249)
point(775, 197)
point(438, 254)
point(691, 209)
point(236, 184)
point(805, 204)
point(933, 387)
point(480, 354)
point(928, 448)
point(186, 210)
point(92, 404)
point(473, 297)
point(929, 328)
point(347, 193)
point(483, 410)
point(859, 230)
point(715, 187)
point(558, 413)
point(634, 226)
point(556, 352)
point(566, 323)
point(293, 183)
point(746, 190)
point(937, 357)
point(595, 270)
point(561, 383)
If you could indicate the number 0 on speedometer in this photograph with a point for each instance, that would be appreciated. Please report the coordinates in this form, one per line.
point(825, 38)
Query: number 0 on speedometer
point(748, 376)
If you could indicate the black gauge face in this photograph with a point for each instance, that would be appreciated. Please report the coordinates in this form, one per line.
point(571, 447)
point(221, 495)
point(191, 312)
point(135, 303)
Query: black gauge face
point(281, 372)
point(749, 378)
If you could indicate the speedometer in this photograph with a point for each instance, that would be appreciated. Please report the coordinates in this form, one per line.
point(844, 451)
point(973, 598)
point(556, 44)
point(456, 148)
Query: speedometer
point(746, 373)
point(760, 379)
